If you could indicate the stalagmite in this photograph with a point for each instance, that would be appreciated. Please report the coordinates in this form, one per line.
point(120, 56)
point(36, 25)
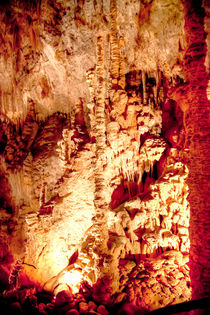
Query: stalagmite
point(156, 87)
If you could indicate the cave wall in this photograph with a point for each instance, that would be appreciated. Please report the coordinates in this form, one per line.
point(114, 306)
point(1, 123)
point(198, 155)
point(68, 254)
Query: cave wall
point(100, 128)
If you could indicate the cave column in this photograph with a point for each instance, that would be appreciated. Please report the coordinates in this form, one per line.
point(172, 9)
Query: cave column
point(197, 138)
point(100, 219)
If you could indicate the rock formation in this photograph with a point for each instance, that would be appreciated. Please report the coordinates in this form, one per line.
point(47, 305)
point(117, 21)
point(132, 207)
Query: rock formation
point(104, 155)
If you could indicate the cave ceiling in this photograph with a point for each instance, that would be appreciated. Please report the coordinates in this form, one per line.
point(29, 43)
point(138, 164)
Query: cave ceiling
point(47, 47)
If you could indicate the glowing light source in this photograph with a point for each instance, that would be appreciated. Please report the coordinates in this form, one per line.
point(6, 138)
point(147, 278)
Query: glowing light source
point(72, 278)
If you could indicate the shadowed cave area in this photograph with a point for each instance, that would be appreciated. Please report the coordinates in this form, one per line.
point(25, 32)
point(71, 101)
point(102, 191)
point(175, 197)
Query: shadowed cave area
point(104, 160)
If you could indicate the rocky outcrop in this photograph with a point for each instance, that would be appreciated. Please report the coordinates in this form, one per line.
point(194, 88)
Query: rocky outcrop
point(103, 137)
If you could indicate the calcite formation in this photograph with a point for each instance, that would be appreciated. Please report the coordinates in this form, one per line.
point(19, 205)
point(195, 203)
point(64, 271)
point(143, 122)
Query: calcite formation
point(101, 143)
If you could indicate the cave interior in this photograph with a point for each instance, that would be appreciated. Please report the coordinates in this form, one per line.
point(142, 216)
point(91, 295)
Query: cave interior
point(104, 160)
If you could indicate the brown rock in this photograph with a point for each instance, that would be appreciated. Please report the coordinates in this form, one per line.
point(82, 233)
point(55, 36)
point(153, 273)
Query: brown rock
point(79, 298)
point(102, 310)
point(83, 307)
point(63, 298)
point(92, 306)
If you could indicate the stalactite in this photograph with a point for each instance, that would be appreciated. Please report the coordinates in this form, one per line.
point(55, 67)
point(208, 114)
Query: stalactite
point(17, 187)
point(42, 198)
point(115, 52)
point(88, 8)
point(144, 87)
point(17, 146)
point(156, 87)
point(122, 65)
point(30, 127)
point(68, 145)
point(28, 180)
point(91, 81)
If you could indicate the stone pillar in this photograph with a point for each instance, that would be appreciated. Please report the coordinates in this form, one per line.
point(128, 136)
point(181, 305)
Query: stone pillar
point(197, 140)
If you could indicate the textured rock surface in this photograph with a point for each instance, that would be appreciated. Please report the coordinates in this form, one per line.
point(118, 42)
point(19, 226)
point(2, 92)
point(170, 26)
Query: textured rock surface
point(99, 130)
point(197, 124)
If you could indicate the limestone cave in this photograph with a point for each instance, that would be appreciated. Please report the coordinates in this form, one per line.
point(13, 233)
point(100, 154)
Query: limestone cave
point(104, 157)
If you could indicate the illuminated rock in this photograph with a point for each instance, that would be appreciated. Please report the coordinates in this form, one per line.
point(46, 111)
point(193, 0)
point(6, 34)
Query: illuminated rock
point(101, 123)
